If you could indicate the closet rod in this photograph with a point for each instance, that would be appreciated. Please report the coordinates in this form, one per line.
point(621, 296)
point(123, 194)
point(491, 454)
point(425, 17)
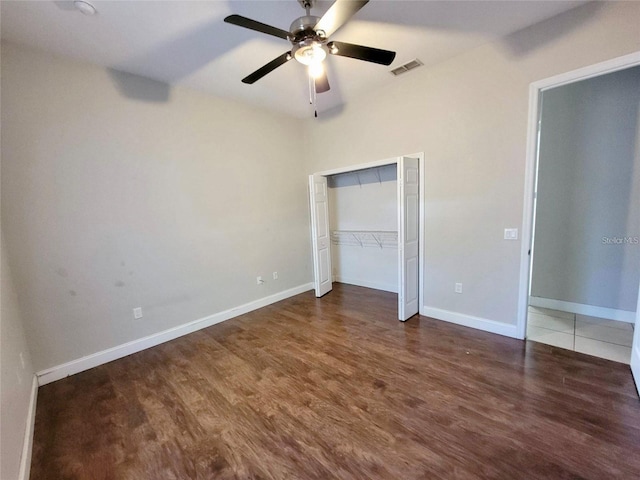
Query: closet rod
point(365, 238)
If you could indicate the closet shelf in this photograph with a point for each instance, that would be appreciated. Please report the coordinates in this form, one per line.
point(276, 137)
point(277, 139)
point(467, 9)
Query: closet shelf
point(365, 238)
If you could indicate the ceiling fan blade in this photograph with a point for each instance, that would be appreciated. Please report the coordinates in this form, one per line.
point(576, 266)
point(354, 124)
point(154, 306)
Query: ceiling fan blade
point(338, 14)
point(268, 68)
point(257, 26)
point(359, 52)
point(322, 83)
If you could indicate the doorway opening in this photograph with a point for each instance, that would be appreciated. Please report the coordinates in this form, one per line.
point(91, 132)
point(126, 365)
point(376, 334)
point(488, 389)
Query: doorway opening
point(582, 211)
point(366, 228)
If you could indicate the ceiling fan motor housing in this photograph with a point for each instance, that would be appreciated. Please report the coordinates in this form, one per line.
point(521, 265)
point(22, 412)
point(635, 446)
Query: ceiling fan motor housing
point(304, 26)
point(306, 41)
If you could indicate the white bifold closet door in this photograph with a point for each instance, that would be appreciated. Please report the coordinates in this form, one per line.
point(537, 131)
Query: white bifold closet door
point(321, 241)
point(408, 235)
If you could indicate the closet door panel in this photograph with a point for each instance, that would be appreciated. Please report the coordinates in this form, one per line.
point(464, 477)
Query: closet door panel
point(408, 235)
point(318, 197)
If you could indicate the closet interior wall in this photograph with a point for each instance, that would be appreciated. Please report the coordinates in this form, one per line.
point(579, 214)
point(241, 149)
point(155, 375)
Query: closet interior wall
point(363, 219)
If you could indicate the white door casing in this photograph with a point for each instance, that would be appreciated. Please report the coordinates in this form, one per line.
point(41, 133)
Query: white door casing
point(408, 236)
point(535, 89)
point(635, 348)
point(319, 200)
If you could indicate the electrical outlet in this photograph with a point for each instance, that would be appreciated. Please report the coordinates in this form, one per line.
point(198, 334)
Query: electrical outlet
point(259, 280)
point(275, 275)
point(458, 288)
point(137, 313)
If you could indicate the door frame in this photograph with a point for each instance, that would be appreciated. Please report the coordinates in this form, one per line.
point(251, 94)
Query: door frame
point(531, 168)
point(421, 223)
point(635, 348)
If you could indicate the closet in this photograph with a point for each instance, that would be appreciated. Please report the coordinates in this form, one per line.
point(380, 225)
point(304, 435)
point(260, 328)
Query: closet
point(363, 224)
point(365, 228)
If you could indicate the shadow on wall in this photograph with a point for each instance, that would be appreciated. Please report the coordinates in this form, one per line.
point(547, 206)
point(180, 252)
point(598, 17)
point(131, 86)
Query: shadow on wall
point(185, 55)
point(385, 173)
point(532, 38)
point(188, 53)
point(139, 88)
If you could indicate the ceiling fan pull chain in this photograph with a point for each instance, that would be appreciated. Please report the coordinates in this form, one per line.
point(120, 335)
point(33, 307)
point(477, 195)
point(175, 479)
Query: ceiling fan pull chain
point(315, 96)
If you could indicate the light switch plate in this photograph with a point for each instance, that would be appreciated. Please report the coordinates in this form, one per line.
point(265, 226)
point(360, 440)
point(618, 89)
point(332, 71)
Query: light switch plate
point(510, 233)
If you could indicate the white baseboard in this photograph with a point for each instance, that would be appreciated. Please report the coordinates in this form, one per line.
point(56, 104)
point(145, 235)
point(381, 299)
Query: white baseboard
point(582, 309)
point(27, 444)
point(90, 361)
point(469, 321)
point(365, 283)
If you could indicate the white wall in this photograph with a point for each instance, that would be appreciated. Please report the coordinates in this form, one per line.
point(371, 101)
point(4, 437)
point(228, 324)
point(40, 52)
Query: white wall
point(111, 201)
point(469, 116)
point(16, 377)
point(365, 200)
point(588, 192)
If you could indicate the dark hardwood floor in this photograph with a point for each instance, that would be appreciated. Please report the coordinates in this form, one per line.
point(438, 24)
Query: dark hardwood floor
point(337, 388)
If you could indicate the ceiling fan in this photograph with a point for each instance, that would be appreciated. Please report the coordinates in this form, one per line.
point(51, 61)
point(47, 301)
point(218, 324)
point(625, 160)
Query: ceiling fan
point(309, 37)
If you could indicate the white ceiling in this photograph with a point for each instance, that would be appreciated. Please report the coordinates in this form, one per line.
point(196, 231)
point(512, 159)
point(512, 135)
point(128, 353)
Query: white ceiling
point(187, 43)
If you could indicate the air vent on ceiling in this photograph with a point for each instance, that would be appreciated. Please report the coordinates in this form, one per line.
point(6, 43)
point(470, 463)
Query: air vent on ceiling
point(406, 67)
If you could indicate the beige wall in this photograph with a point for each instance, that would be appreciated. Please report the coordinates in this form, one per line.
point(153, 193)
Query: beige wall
point(469, 116)
point(110, 202)
point(16, 376)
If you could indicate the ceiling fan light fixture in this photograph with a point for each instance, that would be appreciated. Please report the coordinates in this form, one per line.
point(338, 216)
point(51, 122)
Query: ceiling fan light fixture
point(316, 70)
point(310, 54)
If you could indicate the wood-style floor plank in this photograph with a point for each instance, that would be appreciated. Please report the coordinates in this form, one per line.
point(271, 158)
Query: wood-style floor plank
point(337, 388)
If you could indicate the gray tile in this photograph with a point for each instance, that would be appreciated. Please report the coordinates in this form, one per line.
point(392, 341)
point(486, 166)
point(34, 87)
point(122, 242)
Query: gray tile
point(605, 322)
point(550, 337)
point(617, 353)
point(552, 313)
point(604, 333)
point(565, 325)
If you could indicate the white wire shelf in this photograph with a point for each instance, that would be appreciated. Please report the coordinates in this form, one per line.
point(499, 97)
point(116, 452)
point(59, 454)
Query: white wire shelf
point(365, 238)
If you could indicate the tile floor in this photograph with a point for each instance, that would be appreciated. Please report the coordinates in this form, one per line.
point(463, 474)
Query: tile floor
point(594, 336)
